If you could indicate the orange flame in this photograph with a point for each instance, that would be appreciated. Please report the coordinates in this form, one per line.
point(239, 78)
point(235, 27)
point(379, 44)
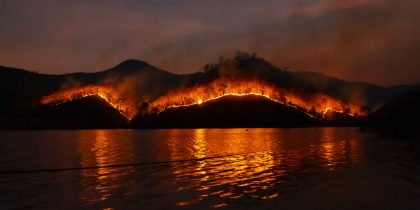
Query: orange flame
point(319, 102)
point(125, 106)
point(315, 105)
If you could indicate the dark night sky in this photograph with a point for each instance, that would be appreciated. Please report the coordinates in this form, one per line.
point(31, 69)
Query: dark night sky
point(375, 41)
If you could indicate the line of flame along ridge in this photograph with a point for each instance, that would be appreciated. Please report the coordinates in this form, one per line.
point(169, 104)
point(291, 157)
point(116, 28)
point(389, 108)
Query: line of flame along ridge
point(315, 104)
point(125, 106)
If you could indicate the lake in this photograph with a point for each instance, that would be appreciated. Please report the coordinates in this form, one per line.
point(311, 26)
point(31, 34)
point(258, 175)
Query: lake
point(291, 168)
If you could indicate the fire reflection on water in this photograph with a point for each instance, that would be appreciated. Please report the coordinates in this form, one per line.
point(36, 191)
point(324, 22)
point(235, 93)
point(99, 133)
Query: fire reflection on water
point(229, 177)
point(97, 149)
point(218, 167)
point(335, 151)
point(253, 164)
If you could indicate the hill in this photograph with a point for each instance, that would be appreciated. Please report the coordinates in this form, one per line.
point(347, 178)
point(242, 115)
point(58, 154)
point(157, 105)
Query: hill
point(21, 90)
point(401, 115)
point(84, 113)
point(230, 111)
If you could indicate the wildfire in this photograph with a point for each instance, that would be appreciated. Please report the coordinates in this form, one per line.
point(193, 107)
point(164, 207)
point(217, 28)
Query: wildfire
point(112, 97)
point(315, 104)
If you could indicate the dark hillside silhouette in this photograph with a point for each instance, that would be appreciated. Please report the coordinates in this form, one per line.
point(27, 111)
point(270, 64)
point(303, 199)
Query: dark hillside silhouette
point(21, 90)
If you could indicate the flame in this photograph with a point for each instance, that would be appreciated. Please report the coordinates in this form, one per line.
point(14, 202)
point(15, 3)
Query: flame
point(316, 105)
point(318, 102)
point(125, 106)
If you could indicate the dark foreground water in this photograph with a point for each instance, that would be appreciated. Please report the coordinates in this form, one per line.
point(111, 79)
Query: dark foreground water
point(301, 168)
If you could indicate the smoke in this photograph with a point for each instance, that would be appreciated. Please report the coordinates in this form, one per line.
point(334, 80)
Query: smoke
point(350, 39)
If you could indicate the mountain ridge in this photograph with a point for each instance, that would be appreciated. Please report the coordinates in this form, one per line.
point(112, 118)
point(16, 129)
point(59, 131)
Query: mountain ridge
point(22, 89)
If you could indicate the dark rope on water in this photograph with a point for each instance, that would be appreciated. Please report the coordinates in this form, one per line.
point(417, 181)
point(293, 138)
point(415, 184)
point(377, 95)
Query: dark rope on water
point(111, 166)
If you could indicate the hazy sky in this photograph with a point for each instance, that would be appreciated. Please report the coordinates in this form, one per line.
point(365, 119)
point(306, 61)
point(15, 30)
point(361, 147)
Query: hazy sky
point(375, 41)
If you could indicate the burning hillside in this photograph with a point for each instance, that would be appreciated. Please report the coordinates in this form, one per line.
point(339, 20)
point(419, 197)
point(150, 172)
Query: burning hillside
point(137, 89)
point(124, 105)
point(315, 104)
point(243, 75)
point(229, 111)
point(246, 74)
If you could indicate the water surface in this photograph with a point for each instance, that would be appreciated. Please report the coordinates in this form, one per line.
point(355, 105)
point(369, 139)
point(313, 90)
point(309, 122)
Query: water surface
point(295, 168)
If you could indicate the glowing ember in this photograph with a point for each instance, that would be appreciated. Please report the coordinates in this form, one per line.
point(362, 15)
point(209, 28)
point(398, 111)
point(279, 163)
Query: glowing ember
point(113, 98)
point(314, 104)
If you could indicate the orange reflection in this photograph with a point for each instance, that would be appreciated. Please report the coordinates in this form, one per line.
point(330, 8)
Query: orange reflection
point(99, 148)
point(334, 148)
point(248, 170)
point(249, 163)
point(219, 166)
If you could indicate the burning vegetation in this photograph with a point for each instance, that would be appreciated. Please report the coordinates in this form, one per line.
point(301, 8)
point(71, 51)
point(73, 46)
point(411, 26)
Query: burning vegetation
point(246, 74)
point(124, 105)
point(316, 105)
point(243, 75)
